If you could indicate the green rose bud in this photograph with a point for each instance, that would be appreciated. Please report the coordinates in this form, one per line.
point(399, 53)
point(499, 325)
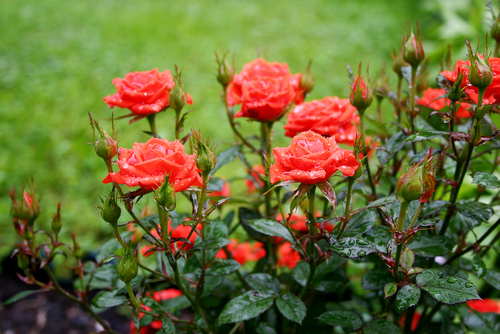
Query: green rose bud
point(106, 147)
point(110, 211)
point(127, 268)
point(480, 73)
point(225, 72)
point(205, 157)
point(56, 223)
point(411, 185)
point(178, 98)
point(165, 195)
point(361, 94)
point(413, 49)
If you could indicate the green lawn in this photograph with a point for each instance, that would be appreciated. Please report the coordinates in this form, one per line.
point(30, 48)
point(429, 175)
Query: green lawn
point(57, 60)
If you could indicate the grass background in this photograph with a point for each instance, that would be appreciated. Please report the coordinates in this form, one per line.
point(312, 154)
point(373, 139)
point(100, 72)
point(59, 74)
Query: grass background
point(57, 60)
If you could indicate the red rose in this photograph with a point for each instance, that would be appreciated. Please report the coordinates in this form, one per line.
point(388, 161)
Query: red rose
point(180, 231)
point(492, 94)
point(310, 159)
point(264, 90)
point(485, 305)
point(145, 165)
point(243, 252)
point(143, 93)
point(330, 117)
point(287, 256)
point(430, 98)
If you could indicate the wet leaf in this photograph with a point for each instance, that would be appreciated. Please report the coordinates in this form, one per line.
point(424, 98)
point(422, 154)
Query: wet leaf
point(483, 323)
point(486, 180)
point(428, 275)
point(381, 202)
point(244, 307)
point(264, 283)
point(492, 277)
point(167, 325)
point(265, 328)
point(222, 267)
point(108, 299)
point(425, 135)
point(329, 193)
point(342, 318)
point(270, 227)
point(378, 237)
point(215, 243)
point(478, 211)
point(381, 326)
point(431, 246)
point(360, 223)
point(323, 280)
point(225, 157)
point(407, 258)
point(292, 307)
point(408, 296)
point(376, 279)
point(451, 290)
point(478, 267)
point(246, 214)
point(393, 145)
point(352, 248)
point(428, 222)
point(390, 289)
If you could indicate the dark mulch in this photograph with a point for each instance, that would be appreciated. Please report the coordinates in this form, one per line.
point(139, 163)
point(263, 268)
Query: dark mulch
point(47, 312)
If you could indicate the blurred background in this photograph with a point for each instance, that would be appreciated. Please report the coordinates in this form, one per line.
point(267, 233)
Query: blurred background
point(58, 58)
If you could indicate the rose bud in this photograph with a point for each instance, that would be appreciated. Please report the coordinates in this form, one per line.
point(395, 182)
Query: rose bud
point(178, 98)
point(398, 62)
point(77, 250)
point(205, 157)
point(56, 223)
point(27, 209)
point(127, 268)
point(110, 210)
point(307, 80)
point(225, 72)
point(411, 185)
point(480, 73)
point(455, 93)
point(165, 195)
point(106, 147)
point(413, 49)
point(361, 94)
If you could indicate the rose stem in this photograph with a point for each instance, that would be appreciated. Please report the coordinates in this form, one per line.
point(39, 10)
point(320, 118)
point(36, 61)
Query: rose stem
point(400, 227)
point(152, 123)
point(343, 226)
point(178, 123)
point(132, 296)
point(413, 93)
point(310, 245)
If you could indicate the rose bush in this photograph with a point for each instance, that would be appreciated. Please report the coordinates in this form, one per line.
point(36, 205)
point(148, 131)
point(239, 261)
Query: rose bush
point(310, 159)
point(146, 165)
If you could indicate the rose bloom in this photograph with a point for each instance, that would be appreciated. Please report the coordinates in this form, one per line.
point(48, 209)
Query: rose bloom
point(299, 224)
point(180, 231)
point(329, 117)
point(287, 256)
point(310, 159)
point(144, 93)
point(430, 100)
point(243, 252)
point(485, 305)
point(250, 182)
point(145, 165)
point(156, 325)
point(264, 90)
point(492, 93)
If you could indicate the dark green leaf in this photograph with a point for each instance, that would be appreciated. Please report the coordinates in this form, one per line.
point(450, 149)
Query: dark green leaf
point(360, 223)
point(215, 243)
point(342, 318)
point(492, 277)
point(425, 135)
point(394, 144)
point(246, 214)
point(451, 290)
point(215, 229)
point(381, 202)
point(225, 157)
point(428, 222)
point(323, 280)
point(390, 289)
point(378, 236)
point(292, 307)
point(431, 246)
point(352, 248)
point(244, 307)
point(222, 267)
point(475, 210)
point(381, 326)
point(329, 283)
point(376, 279)
point(428, 275)
point(486, 180)
point(108, 299)
point(215, 184)
point(177, 303)
point(264, 283)
point(328, 266)
point(265, 328)
point(483, 323)
point(434, 207)
point(478, 266)
point(107, 249)
point(408, 296)
point(20, 295)
point(167, 325)
point(270, 227)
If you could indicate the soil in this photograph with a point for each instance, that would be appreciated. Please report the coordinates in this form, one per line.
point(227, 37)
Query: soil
point(47, 312)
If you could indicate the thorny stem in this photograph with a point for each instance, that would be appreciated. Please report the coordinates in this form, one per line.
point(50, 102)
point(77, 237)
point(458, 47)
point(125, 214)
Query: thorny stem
point(266, 130)
point(415, 217)
point(131, 295)
point(413, 93)
point(154, 272)
point(343, 227)
point(152, 125)
point(310, 245)
point(400, 227)
point(178, 128)
point(365, 152)
point(453, 109)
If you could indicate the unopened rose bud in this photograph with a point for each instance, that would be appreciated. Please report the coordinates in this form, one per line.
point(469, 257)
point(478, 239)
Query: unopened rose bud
point(205, 157)
point(56, 223)
point(127, 268)
point(455, 93)
point(165, 195)
point(411, 185)
point(413, 49)
point(225, 72)
point(106, 146)
point(77, 250)
point(307, 80)
point(111, 211)
point(361, 94)
point(480, 73)
point(398, 62)
point(178, 98)
point(27, 209)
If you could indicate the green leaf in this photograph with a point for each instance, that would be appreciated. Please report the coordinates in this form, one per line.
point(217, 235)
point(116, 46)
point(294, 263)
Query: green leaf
point(378, 237)
point(393, 145)
point(486, 180)
point(167, 325)
point(244, 307)
point(451, 290)
point(431, 246)
point(428, 275)
point(376, 279)
point(246, 214)
point(381, 202)
point(292, 307)
point(475, 210)
point(264, 283)
point(342, 318)
point(352, 248)
point(390, 289)
point(360, 223)
point(225, 157)
point(20, 295)
point(215, 229)
point(215, 184)
point(492, 277)
point(215, 243)
point(265, 328)
point(381, 326)
point(108, 299)
point(478, 267)
point(425, 135)
point(408, 296)
point(407, 258)
point(222, 267)
point(270, 227)
point(428, 222)
point(107, 249)
point(483, 323)
point(323, 280)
